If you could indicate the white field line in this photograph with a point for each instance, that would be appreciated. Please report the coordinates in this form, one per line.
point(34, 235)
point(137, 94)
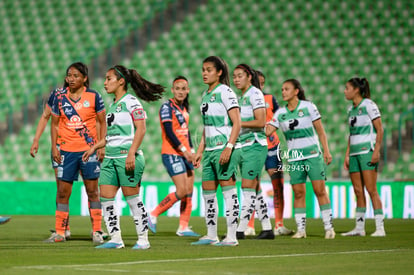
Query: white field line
point(86, 266)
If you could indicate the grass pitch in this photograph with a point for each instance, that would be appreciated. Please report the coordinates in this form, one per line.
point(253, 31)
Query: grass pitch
point(23, 252)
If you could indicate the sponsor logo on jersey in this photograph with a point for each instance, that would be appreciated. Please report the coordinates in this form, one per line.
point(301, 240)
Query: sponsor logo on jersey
point(75, 122)
point(66, 105)
point(68, 111)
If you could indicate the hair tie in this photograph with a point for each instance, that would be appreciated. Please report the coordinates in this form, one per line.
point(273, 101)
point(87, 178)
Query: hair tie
point(120, 73)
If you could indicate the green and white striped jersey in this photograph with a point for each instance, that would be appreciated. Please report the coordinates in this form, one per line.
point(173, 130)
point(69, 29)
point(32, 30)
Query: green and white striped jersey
point(362, 131)
point(214, 111)
point(120, 122)
point(297, 126)
point(251, 100)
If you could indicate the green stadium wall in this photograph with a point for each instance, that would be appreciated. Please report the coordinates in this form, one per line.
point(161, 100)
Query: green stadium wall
point(38, 198)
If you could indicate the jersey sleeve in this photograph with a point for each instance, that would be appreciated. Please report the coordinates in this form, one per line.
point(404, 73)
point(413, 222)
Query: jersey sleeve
point(99, 103)
point(165, 112)
point(54, 104)
point(135, 109)
point(275, 104)
point(313, 111)
point(373, 111)
point(52, 98)
point(229, 99)
point(274, 121)
point(257, 100)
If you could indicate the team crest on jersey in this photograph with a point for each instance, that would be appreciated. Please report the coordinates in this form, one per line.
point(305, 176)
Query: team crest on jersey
point(300, 113)
point(118, 108)
point(359, 111)
point(213, 98)
point(78, 106)
point(86, 104)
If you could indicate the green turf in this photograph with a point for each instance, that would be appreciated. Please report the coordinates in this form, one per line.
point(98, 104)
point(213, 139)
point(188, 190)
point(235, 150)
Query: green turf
point(23, 252)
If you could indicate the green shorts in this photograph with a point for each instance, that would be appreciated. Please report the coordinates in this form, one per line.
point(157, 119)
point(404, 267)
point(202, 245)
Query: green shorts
point(252, 160)
point(301, 169)
point(213, 171)
point(113, 172)
point(362, 162)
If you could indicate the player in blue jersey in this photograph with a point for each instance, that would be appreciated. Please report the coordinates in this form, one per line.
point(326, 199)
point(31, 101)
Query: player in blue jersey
point(177, 155)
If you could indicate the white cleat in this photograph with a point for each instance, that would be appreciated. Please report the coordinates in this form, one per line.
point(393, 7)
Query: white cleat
point(354, 233)
point(330, 234)
point(250, 231)
point(282, 231)
point(301, 234)
point(379, 233)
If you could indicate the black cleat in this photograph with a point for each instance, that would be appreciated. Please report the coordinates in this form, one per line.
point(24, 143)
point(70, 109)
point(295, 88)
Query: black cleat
point(266, 235)
point(240, 235)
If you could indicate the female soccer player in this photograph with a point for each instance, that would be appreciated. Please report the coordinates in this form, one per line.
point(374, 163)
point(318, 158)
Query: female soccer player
point(124, 162)
point(253, 147)
point(41, 125)
point(177, 155)
point(273, 166)
point(76, 112)
point(221, 118)
point(300, 122)
point(363, 153)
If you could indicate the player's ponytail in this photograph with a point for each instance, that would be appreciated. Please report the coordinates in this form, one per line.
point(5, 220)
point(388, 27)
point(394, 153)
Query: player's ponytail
point(363, 86)
point(143, 88)
point(296, 84)
point(249, 71)
point(220, 65)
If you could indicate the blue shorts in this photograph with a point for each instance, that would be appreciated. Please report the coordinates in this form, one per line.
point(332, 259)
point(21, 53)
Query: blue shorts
point(68, 169)
point(273, 160)
point(176, 165)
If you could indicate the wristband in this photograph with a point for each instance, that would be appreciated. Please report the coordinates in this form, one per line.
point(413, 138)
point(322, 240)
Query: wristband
point(192, 151)
point(229, 145)
point(183, 149)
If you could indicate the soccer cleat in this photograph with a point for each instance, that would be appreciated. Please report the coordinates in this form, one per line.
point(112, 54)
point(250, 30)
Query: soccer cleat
point(240, 235)
point(301, 234)
point(111, 245)
point(97, 237)
point(152, 224)
point(354, 232)
point(379, 233)
point(250, 231)
point(141, 245)
point(105, 235)
point(67, 233)
point(266, 235)
point(227, 242)
point(186, 232)
point(4, 219)
point(282, 231)
point(206, 240)
point(330, 234)
point(55, 238)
